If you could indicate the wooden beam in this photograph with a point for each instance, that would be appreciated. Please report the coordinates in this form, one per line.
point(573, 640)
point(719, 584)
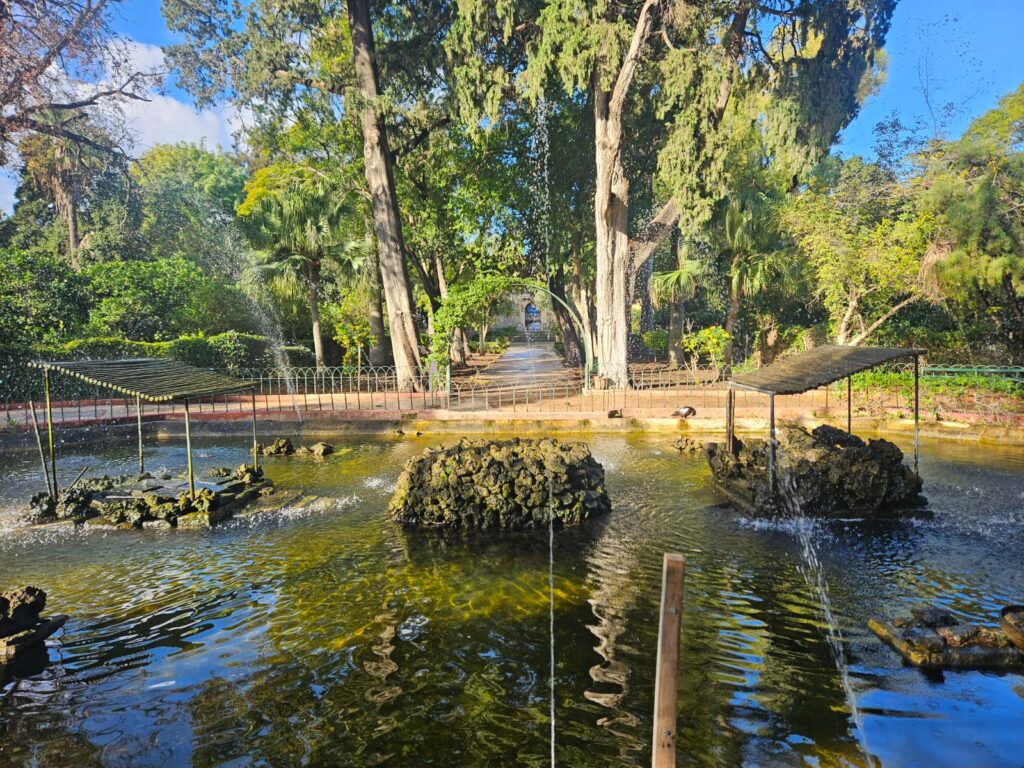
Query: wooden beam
point(666, 680)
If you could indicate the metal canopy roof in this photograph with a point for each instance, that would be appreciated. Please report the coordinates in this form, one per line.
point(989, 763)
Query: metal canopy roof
point(817, 367)
point(155, 380)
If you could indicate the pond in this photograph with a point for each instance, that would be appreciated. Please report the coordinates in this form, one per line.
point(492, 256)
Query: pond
point(326, 636)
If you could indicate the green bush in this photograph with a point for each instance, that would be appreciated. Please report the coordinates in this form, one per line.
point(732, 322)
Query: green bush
point(656, 341)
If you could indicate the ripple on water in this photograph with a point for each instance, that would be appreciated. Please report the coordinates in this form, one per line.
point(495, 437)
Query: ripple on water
point(322, 634)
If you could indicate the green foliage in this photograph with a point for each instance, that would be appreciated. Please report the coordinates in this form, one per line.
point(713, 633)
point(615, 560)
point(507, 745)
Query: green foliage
point(656, 341)
point(468, 306)
point(41, 298)
point(189, 196)
point(864, 239)
point(708, 344)
point(153, 300)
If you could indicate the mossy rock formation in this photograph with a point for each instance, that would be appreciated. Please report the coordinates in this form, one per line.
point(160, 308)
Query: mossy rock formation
point(824, 472)
point(500, 485)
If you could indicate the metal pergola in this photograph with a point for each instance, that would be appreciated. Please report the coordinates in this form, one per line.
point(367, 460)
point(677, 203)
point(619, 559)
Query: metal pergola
point(809, 370)
point(146, 379)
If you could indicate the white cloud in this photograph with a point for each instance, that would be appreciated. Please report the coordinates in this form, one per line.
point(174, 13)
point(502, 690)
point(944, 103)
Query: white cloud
point(167, 120)
point(164, 119)
point(144, 56)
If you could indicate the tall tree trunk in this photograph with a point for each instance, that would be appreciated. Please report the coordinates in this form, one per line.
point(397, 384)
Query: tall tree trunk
point(677, 311)
point(611, 218)
point(313, 284)
point(582, 297)
point(571, 342)
point(67, 206)
point(457, 350)
point(387, 223)
point(611, 207)
point(646, 305)
point(378, 352)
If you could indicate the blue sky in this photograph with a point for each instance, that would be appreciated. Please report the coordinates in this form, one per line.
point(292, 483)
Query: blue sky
point(941, 52)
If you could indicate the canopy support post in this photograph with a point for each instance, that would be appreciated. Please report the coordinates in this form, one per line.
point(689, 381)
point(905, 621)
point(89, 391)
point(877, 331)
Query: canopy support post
point(49, 430)
point(849, 405)
point(771, 442)
point(255, 445)
point(917, 411)
point(188, 449)
point(39, 445)
point(138, 422)
point(730, 417)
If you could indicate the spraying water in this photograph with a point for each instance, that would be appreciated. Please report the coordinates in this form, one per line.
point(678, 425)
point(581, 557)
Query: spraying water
point(542, 149)
point(234, 257)
point(814, 575)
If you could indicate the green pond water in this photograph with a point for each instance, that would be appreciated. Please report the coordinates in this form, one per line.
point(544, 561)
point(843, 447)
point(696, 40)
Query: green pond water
point(327, 636)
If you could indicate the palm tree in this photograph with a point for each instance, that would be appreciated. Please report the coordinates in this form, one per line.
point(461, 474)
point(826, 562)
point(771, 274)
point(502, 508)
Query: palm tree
point(675, 286)
point(756, 258)
point(298, 217)
point(62, 168)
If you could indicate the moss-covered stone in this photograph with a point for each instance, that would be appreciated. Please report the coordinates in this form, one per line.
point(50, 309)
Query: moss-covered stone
point(824, 472)
point(507, 485)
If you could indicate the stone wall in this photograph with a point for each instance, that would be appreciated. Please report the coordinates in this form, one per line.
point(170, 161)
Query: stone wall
point(502, 485)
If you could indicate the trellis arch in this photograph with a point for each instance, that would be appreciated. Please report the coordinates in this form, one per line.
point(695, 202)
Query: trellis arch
point(465, 300)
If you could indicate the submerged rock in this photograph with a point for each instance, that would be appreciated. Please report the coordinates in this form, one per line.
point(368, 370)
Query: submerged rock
point(282, 446)
point(319, 450)
point(507, 485)
point(823, 472)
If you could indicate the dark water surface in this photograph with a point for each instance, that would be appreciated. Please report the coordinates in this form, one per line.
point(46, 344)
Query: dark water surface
point(326, 636)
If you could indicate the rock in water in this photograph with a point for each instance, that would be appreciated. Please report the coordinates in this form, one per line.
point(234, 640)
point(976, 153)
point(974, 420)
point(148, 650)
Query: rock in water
point(282, 446)
point(20, 609)
point(823, 472)
point(502, 485)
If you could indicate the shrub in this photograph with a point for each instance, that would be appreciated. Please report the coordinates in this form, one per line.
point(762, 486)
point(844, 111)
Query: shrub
point(656, 341)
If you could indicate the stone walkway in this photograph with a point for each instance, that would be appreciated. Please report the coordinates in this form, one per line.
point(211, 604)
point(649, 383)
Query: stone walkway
point(526, 363)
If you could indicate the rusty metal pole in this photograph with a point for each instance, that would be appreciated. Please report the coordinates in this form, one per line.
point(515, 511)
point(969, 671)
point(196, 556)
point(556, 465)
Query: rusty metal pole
point(255, 444)
point(730, 420)
point(849, 405)
point(771, 442)
point(138, 420)
point(666, 676)
point(49, 431)
point(917, 411)
point(188, 449)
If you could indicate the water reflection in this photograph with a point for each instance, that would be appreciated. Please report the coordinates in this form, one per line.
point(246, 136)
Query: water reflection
point(326, 636)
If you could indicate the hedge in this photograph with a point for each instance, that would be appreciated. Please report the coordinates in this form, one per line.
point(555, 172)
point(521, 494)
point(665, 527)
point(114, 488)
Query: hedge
point(229, 352)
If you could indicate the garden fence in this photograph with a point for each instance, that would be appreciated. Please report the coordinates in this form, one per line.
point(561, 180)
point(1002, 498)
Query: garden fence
point(655, 390)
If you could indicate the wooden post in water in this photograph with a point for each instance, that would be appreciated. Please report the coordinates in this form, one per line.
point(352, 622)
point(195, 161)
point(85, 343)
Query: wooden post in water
point(188, 449)
point(666, 681)
point(138, 420)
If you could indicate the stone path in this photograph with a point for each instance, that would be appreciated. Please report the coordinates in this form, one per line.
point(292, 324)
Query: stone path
point(526, 363)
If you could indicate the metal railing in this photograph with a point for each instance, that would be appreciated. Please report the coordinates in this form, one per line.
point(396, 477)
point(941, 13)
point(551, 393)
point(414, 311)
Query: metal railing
point(653, 391)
